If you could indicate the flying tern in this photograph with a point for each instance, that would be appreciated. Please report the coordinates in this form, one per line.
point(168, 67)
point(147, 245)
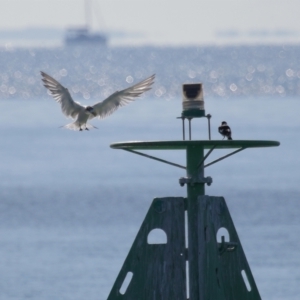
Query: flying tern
point(225, 130)
point(82, 114)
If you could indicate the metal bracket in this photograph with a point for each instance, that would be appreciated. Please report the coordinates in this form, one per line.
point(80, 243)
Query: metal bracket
point(190, 118)
point(223, 157)
point(194, 180)
point(208, 119)
point(155, 158)
point(227, 246)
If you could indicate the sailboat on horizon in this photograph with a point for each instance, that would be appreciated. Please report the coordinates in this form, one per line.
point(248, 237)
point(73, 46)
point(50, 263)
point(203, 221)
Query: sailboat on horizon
point(82, 36)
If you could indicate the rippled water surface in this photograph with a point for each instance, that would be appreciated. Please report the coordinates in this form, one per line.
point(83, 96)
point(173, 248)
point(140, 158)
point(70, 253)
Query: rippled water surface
point(70, 206)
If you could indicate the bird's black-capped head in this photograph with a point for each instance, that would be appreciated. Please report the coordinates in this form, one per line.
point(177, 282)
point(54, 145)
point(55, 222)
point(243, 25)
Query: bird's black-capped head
point(90, 110)
point(224, 123)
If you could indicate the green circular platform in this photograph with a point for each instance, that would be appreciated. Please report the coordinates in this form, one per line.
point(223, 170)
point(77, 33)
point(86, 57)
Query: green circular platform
point(182, 145)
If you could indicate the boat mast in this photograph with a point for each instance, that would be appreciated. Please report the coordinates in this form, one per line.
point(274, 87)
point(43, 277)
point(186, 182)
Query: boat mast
point(88, 13)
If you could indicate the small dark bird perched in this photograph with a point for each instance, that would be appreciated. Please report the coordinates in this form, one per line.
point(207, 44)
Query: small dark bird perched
point(225, 130)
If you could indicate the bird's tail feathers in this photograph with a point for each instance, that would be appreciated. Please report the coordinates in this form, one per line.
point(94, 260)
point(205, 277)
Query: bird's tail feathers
point(75, 126)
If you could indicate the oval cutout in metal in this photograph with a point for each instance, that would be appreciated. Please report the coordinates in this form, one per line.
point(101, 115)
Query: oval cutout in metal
point(223, 232)
point(126, 283)
point(247, 283)
point(157, 236)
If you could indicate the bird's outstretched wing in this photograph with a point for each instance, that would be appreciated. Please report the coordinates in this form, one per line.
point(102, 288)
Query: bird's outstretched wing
point(121, 98)
point(69, 107)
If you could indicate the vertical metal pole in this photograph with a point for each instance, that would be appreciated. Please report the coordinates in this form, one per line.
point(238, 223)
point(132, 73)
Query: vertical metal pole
point(183, 129)
point(87, 9)
point(208, 118)
point(190, 129)
point(194, 154)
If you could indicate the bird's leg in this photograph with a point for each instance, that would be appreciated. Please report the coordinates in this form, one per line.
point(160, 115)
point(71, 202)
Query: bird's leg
point(80, 129)
point(223, 138)
point(86, 128)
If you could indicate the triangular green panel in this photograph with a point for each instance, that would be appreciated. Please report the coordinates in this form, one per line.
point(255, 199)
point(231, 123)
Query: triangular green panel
point(158, 269)
point(221, 263)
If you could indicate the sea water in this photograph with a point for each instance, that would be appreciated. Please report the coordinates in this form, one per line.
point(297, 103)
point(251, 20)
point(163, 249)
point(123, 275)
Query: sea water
point(70, 206)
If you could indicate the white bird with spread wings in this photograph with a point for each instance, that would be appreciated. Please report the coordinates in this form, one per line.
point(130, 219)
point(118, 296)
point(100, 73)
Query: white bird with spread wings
point(82, 114)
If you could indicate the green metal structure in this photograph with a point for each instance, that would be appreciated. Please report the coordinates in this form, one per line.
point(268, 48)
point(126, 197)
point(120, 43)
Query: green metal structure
point(199, 255)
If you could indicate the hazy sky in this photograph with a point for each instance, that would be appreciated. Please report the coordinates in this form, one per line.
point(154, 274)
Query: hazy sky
point(165, 21)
